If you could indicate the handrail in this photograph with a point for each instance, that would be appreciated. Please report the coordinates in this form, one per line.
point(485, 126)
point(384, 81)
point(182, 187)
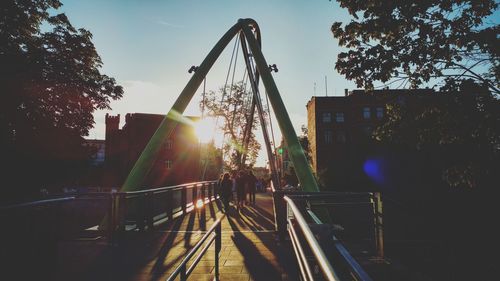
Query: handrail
point(181, 269)
point(351, 262)
point(37, 203)
point(166, 188)
point(313, 243)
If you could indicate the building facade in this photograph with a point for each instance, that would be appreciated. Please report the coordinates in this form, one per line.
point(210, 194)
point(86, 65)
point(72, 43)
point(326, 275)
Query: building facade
point(340, 129)
point(177, 162)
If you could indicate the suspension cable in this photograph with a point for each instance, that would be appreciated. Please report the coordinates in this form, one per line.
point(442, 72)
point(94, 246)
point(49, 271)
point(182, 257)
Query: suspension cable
point(232, 79)
point(203, 97)
point(270, 121)
point(229, 69)
point(268, 110)
point(235, 50)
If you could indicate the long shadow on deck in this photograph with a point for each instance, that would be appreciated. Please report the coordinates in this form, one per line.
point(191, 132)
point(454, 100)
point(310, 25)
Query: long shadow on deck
point(173, 232)
point(264, 257)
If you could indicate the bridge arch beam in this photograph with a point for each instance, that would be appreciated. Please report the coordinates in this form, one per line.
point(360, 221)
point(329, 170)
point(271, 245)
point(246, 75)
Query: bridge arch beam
point(145, 161)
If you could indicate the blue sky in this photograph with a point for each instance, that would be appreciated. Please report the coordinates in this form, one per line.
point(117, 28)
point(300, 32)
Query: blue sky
point(148, 46)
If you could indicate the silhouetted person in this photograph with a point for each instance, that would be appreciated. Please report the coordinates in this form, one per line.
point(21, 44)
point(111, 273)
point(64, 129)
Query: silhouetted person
point(219, 182)
point(240, 189)
point(234, 175)
point(251, 182)
point(226, 190)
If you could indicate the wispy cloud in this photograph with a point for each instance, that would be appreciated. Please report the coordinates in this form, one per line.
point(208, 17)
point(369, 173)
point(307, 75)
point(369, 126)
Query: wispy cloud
point(168, 24)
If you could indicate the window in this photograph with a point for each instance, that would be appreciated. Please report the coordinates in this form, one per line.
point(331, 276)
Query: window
point(168, 144)
point(168, 164)
point(367, 130)
point(339, 117)
point(380, 112)
point(340, 136)
point(366, 113)
point(328, 136)
point(327, 117)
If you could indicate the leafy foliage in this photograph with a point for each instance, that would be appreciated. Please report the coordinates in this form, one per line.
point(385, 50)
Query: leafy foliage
point(451, 44)
point(304, 142)
point(459, 130)
point(419, 41)
point(50, 83)
point(234, 110)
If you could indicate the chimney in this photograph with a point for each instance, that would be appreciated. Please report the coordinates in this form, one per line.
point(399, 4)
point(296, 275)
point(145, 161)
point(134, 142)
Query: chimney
point(346, 92)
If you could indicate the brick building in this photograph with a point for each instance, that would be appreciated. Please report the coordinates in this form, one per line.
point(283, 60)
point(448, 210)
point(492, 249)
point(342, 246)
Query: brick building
point(177, 162)
point(340, 128)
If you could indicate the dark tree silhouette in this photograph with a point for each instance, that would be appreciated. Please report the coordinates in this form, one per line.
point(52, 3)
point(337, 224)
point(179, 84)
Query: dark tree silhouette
point(439, 41)
point(51, 84)
point(234, 112)
point(451, 45)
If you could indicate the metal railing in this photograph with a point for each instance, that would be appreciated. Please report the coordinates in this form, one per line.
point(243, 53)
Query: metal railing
point(320, 256)
point(108, 214)
point(142, 209)
point(304, 233)
point(215, 235)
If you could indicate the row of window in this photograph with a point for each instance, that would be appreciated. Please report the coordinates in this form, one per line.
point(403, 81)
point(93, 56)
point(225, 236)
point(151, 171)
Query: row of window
point(169, 144)
point(326, 117)
point(340, 136)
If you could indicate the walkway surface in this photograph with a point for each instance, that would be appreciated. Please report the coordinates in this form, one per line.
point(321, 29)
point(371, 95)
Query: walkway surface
point(249, 249)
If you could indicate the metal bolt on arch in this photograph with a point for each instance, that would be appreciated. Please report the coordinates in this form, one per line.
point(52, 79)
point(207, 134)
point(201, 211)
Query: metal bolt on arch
point(250, 39)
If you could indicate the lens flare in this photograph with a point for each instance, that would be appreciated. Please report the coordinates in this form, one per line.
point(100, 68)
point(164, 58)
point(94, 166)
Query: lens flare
point(199, 204)
point(373, 168)
point(204, 129)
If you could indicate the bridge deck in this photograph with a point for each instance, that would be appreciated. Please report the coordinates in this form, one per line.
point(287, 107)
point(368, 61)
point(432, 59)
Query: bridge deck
point(249, 249)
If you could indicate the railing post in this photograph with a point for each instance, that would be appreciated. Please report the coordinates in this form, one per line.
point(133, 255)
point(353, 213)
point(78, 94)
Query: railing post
point(170, 203)
point(122, 209)
point(183, 199)
point(111, 218)
point(149, 204)
point(140, 212)
point(195, 194)
point(280, 214)
point(379, 226)
point(218, 244)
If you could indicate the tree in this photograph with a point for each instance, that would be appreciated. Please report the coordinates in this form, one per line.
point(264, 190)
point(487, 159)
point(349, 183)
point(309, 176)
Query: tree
point(51, 84)
point(234, 110)
point(304, 142)
point(448, 44)
point(439, 41)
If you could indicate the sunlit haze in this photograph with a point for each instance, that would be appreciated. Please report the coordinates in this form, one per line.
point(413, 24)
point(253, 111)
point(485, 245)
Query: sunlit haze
point(148, 46)
point(207, 130)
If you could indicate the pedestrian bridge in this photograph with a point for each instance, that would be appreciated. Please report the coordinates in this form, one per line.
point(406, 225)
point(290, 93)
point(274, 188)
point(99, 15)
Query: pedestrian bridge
point(163, 234)
point(179, 232)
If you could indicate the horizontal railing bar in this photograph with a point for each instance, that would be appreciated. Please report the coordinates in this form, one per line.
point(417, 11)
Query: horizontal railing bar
point(357, 269)
point(181, 186)
point(313, 243)
point(302, 256)
point(38, 203)
point(353, 264)
point(340, 204)
point(300, 262)
point(191, 253)
point(200, 255)
point(314, 217)
point(322, 194)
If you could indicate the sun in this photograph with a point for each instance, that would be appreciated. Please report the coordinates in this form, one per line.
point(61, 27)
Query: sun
point(205, 129)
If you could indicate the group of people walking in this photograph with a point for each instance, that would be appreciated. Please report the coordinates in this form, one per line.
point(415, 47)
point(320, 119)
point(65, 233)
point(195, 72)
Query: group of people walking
point(239, 187)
